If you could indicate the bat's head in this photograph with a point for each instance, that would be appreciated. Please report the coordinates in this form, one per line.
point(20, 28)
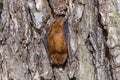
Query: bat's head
point(59, 22)
point(58, 59)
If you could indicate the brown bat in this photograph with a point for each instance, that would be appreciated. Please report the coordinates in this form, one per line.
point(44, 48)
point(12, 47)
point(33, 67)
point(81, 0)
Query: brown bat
point(57, 42)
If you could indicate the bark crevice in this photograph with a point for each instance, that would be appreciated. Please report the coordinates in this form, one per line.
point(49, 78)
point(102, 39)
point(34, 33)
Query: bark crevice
point(107, 50)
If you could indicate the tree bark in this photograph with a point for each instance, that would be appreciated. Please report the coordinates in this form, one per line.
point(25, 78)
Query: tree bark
point(95, 39)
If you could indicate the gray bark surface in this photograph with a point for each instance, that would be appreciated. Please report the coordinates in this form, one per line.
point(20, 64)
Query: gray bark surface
point(95, 39)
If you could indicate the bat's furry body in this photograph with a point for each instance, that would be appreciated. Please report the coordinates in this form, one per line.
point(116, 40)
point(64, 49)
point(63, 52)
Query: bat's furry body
point(57, 43)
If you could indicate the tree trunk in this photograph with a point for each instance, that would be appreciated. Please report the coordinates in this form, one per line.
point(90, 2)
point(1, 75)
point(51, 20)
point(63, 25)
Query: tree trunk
point(95, 39)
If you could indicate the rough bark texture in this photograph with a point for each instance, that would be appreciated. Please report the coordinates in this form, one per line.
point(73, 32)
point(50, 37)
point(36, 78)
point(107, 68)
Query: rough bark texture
point(95, 39)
